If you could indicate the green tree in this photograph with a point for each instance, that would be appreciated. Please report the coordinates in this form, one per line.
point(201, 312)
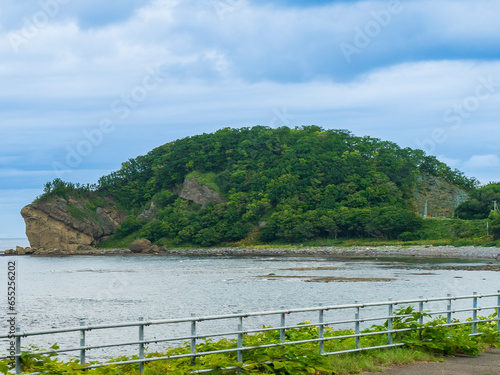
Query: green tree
point(494, 219)
point(480, 202)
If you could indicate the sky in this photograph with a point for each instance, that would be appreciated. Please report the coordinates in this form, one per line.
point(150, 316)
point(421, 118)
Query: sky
point(87, 85)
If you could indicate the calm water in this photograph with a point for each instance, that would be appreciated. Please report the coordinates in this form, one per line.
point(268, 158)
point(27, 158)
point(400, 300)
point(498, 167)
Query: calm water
point(11, 243)
point(59, 292)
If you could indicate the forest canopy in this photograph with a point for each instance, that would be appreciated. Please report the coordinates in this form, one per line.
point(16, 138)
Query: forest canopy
point(277, 184)
point(480, 203)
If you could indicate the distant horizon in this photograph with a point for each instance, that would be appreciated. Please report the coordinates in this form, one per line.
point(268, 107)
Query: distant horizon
point(11, 243)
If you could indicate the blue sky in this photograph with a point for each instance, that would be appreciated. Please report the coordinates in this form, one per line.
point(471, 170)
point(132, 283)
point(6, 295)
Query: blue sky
point(86, 85)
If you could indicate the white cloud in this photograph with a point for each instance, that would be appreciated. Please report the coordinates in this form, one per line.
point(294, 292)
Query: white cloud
point(483, 161)
point(240, 70)
point(261, 43)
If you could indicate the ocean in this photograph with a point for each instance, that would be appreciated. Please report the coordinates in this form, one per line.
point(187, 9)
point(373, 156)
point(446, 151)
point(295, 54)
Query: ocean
point(56, 292)
point(11, 243)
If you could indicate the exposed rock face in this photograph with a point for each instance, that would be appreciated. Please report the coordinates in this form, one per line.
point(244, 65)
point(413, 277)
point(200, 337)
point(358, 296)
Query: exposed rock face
point(144, 246)
point(23, 250)
point(68, 225)
point(442, 197)
point(149, 213)
point(140, 246)
point(201, 194)
point(19, 251)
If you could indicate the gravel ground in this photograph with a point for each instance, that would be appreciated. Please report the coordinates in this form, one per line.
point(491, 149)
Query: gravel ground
point(467, 252)
point(384, 251)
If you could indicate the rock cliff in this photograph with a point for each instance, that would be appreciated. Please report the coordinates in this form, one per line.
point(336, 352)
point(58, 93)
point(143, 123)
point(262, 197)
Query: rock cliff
point(70, 224)
point(441, 196)
point(195, 192)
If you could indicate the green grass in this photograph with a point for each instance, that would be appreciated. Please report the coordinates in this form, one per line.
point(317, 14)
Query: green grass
point(77, 213)
point(95, 202)
point(117, 242)
point(207, 179)
point(377, 360)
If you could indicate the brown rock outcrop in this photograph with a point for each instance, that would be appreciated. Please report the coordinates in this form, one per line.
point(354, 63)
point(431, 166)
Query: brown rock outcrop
point(201, 194)
point(68, 225)
point(140, 246)
point(23, 251)
point(155, 249)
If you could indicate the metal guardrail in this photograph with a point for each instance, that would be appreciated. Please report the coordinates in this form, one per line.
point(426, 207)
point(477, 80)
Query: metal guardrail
point(240, 317)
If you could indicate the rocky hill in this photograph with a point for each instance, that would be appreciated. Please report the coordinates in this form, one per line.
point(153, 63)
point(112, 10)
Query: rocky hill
point(70, 224)
point(268, 184)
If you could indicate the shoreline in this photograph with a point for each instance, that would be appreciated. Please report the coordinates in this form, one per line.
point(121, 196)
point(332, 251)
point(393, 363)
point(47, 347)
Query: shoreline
point(466, 252)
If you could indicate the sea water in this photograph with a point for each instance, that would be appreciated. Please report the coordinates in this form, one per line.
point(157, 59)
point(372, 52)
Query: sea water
point(57, 292)
point(11, 243)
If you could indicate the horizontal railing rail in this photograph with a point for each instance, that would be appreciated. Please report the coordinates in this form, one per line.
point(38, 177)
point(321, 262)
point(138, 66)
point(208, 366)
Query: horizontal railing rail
point(320, 322)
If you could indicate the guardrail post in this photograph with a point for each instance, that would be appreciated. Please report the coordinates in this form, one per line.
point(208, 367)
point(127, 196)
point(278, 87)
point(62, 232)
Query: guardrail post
point(356, 326)
point(282, 329)
point(421, 317)
point(421, 311)
point(320, 329)
point(448, 309)
point(193, 340)
point(82, 344)
point(389, 324)
point(141, 345)
point(498, 310)
point(18, 350)
point(240, 339)
point(474, 314)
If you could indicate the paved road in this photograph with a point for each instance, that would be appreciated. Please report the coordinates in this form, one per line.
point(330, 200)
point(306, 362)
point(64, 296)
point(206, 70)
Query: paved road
point(485, 364)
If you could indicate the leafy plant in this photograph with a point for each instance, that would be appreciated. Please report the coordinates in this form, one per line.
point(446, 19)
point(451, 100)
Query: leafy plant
point(297, 359)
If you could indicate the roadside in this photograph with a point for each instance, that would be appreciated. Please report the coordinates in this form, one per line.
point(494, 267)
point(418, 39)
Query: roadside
point(487, 363)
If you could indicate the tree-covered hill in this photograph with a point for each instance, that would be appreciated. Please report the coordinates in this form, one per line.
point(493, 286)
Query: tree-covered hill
point(275, 184)
point(481, 202)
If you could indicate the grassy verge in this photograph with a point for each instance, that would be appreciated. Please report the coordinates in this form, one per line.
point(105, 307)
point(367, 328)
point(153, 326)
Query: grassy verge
point(378, 360)
point(427, 342)
point(118, 242)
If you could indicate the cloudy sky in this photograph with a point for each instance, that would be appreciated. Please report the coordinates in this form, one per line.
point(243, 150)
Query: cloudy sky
point(87, 84)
